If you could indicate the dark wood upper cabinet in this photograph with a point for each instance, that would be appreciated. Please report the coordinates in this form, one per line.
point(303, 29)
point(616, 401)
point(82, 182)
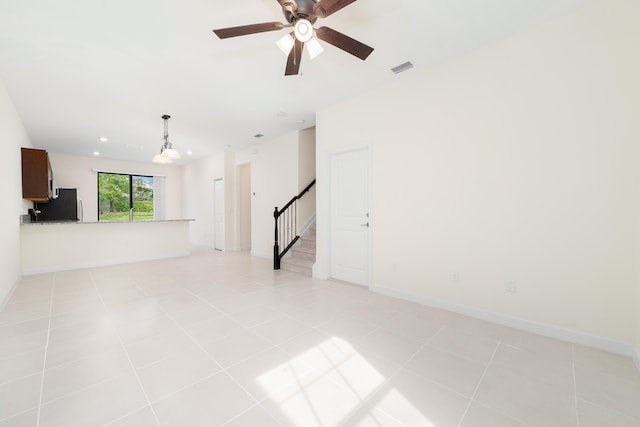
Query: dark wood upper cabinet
point(37, 175)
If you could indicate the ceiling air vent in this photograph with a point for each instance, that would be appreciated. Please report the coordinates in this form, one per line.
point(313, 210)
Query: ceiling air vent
point(402, 67)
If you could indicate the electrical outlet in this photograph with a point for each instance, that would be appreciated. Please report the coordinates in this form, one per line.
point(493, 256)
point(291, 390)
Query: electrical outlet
point(455, 277)
point(510, 286)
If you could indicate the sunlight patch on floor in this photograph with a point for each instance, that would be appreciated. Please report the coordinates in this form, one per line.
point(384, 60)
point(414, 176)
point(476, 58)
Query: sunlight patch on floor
point(340, 382)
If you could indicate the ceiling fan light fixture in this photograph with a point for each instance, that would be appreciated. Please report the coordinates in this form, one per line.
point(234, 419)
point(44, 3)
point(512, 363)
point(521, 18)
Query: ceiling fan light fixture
point(286, 44)
point(314, 48)
point(301, 15)
point(303, 30)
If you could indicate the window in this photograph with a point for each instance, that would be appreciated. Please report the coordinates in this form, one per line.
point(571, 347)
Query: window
point(120, 194)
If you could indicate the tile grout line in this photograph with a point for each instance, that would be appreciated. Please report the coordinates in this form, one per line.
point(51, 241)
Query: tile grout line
point(124, 348)
point(402, 366)
point(259, 402)
point(222, 368)
point(224, 313)
point(484, 373)
point(26, 411)
point(46, 350)
point(575, 385)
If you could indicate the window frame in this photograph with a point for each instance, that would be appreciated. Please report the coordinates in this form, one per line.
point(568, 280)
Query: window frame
point(130, 176)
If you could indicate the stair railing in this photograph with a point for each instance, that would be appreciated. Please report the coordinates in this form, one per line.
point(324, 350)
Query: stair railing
point(286, 229)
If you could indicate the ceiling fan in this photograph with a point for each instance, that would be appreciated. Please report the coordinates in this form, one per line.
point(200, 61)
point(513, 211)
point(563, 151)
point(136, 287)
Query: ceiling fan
point(301, 15)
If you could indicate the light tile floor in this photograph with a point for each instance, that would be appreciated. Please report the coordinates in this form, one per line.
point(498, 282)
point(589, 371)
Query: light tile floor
point(221, 339)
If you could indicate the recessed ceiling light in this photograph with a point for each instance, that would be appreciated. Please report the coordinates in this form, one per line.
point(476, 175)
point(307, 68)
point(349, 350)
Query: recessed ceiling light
point(189, 152)
point(103, 139)
point(281, 114)
point(96, 153)
point(258, 135)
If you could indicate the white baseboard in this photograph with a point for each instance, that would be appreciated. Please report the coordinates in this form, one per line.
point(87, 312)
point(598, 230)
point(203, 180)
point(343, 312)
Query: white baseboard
point(548, 330)
point(195, 247)
point(7, 297)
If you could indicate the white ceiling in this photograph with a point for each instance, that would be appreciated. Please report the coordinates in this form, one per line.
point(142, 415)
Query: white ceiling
point(78, 70)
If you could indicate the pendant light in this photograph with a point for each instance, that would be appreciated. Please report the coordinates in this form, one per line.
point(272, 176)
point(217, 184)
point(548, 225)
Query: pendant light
point(167, 153)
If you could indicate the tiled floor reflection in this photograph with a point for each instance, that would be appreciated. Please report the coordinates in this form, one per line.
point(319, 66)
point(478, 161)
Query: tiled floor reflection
point(219, 339)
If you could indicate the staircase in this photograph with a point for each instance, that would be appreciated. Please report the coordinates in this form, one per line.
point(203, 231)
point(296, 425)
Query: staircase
point(286, 237)
point(302, 256)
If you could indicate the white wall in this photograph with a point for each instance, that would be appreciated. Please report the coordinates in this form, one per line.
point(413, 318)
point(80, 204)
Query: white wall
point(515, 163)
point(79, 172)
point(197, 192)
point(636, 353)
point(306, 174)
point(232, 240)
point(274, 181)
point(13, 136)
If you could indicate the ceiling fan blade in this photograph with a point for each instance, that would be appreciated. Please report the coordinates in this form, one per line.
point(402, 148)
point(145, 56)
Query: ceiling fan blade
point(293, 62)
point(324, 8)
point(243, 30)
point(346, 43)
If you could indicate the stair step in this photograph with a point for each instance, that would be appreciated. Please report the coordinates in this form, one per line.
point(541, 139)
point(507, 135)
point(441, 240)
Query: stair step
point(302, 266)
point(302, 255)
point(304, 252)
point(308, 241)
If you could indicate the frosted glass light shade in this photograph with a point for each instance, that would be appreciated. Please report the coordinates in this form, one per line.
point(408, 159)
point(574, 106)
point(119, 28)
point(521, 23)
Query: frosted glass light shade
point(286, 44)
point(314, 48)
point(159, 158)
point(170, 153)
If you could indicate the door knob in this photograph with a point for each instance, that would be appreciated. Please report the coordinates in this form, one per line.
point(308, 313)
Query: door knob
point(366, 224)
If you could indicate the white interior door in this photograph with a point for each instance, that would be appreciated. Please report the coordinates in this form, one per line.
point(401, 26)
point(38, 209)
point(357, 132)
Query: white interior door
point(218, 214)
point(244, 205)
point(350, 216)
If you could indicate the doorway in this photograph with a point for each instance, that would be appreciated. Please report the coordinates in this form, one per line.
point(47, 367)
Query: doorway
point(244, 206)
point(350, 216)
point(218, 214)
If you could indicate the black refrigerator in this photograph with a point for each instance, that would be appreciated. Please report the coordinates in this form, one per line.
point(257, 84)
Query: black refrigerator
point(64, 208)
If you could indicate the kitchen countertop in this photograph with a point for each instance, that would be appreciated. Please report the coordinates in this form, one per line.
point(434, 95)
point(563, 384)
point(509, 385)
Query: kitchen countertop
point(104, 222)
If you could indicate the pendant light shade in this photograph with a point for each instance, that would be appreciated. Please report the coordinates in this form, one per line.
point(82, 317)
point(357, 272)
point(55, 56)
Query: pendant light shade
point(159, 158)
point(170, 153)
point(167, 153)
